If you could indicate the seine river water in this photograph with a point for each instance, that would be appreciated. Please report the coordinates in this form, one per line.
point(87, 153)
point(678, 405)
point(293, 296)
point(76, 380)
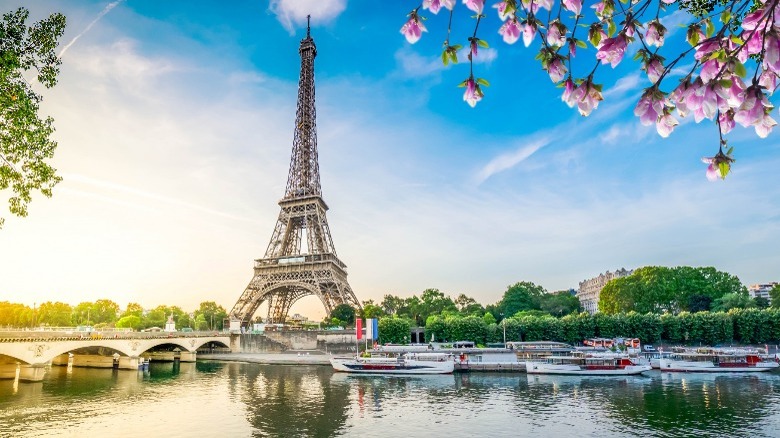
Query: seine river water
point(238, 399)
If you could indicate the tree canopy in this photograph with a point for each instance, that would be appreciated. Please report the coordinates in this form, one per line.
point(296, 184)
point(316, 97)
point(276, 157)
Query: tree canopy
point(25, 138)
point(661, 289)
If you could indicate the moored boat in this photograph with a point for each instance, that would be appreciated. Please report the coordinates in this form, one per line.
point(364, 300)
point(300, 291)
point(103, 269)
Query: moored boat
point(587, 365)
point(718, 360)
point(416, 363)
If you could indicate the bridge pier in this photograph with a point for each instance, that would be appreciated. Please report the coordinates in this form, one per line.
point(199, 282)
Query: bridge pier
point(32, 373)
point(187, 356)
point(129, 362)
point(92, 361)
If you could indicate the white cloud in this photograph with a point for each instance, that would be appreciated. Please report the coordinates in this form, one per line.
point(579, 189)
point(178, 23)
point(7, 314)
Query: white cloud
point(292, 13)
point(105, 11)
point(484, 56)
point(414, 65)
point(509, 160)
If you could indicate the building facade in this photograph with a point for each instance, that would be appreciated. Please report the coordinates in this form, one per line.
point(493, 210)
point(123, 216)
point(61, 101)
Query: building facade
point(589, 291)
point(762, 290)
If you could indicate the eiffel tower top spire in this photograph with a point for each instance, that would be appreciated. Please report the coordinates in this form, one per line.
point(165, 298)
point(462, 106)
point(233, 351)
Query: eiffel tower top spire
point(304, 178)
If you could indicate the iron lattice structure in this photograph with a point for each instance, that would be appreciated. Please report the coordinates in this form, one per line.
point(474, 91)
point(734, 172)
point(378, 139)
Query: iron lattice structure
point(287, 273)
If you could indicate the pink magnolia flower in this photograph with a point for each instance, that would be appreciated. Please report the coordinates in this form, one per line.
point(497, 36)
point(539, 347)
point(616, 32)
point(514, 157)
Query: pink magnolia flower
point(665, 124)
point(694, 35)
point(503, 11)
point(573, 6)
point(473, 93)
point(754, 20)
point(710, 70)
point(654, 69)
point(587, 96)
point(572, 49)
point(473, 46)
point(655, 34)
point(544, 4)
point(510, 30)
point(556, 34)
point(706, 48)
point(435, 5)
point(726, 121)
point(475, 5)
point(753, 107)
point(612, 51)
point(529, 32)
point(530, 5)
point(702, 100)
point(765, 127)
point(650, 107)
point(768, 80)
point(413, 28)
point(772, 52)
point(568, 91)
point(677, 97)
point(719, 165)
point(731, 97)
point(753, 43)
point(668, 2)
point(604, 8)
point(556, 69)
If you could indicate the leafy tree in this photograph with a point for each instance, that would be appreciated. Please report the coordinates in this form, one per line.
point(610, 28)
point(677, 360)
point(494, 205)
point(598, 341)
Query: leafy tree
point(391, 304)
point(394, 330)
point(133, 309)
point(371, 310)
point(54, 314)
point(520, 296)
point(774, 296)
point(104, 311)
point(468, 306)
point(699, 303)
point(560, 303)
point(15, 315)
point(213, 313)
point(345, 313)
point(25, 138)
point(761, 302)
point(129, 321)
point(434, 302)
point(489, 318)
point(733, 300)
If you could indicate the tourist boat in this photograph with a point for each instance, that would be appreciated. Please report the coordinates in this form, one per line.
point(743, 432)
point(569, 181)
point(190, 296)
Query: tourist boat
point(604, 364)
point(411, 363)
point(718, 360)
point(538, 350)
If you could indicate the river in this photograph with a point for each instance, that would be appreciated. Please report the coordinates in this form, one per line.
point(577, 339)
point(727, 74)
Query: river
point(211, 398)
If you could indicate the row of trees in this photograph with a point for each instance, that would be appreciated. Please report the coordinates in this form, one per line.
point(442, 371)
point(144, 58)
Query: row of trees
point(106, 313)
point(745, 326)
point(660, 289)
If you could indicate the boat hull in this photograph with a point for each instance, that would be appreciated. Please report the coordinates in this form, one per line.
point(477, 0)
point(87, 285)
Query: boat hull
point(566, 369)
point(710, 367)
point(401, 366)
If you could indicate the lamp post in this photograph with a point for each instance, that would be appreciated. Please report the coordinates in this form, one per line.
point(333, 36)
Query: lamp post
point(503, 323)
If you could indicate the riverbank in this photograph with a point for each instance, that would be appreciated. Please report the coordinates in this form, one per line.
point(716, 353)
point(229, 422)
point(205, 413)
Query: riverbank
point(304, 357)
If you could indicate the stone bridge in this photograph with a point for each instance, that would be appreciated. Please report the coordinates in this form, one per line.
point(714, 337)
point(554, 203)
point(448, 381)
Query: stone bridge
point(24, 355)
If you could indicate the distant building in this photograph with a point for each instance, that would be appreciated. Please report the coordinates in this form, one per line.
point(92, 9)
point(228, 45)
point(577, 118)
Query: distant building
point(761, 290)
point(590, 290)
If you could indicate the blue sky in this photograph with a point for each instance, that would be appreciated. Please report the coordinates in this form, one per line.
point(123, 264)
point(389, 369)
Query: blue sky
point(175, 122)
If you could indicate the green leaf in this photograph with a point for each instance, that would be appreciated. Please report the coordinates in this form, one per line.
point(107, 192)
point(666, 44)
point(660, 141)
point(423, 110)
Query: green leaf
point(611, 28)
point(445, 56)
point(581, 44)
point(724, 167)
point(725, 83)
point(737, 40)
point(725, 16)
point(739, 69)
point(454, 57)
point(731, 149)
point(483, 82)
point(457, 47)
point(710, 29)
point(482, 43)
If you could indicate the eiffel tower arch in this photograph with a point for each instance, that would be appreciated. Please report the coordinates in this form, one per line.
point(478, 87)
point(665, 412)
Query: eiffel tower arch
point(289, 271)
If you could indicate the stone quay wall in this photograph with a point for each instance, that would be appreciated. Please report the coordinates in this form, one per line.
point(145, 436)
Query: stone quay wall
point(327, 341)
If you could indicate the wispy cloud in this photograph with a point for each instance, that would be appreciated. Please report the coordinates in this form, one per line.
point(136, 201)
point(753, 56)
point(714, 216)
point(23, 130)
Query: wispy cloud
point(414, 65)
point(105, 11)
point(294, 12)
point(511, 159)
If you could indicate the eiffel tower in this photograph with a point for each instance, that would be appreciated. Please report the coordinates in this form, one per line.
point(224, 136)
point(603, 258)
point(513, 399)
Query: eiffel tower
point(286, 273)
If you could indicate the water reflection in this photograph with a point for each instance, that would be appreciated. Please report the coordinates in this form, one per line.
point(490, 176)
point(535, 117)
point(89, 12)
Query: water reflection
point(289, 400)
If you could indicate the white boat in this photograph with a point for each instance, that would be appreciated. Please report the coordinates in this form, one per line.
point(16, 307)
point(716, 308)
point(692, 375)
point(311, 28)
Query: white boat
point(718, 360)
point(413, 363)
point(587, 365)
